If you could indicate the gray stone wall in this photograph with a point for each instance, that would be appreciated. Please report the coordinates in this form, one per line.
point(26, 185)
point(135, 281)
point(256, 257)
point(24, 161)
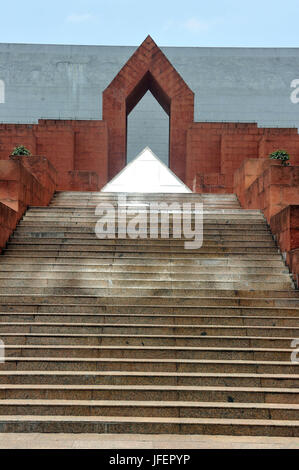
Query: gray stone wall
point(230, 84)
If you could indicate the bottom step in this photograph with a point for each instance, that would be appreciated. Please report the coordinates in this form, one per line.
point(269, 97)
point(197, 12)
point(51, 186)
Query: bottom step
point(118, 425)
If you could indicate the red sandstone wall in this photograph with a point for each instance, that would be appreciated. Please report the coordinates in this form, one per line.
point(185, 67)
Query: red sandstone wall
point(8, 222)
point(285, 226)
point(266, 185)
point(216, 150)
point(21, 187)
point(77, 149)
point(273, 188)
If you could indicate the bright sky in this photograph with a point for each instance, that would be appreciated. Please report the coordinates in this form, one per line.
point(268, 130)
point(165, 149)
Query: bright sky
point(238, 23)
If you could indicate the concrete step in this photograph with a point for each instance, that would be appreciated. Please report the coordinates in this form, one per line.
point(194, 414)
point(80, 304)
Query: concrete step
point(212, 223)
point(149, 329)
point(131, 208)
point(148, 378)
point(146, 245)
point(94, 286)
point(143, 301)
point(149, 365)
point(170, 409)
point(149, 352)
point(99, 251)
point(150, 393)
point(147, 340)
point(141, 196)
point(83, 236)
point(143, 206)
point(209, 219)
point(35, 230)
point(148, 319)
point(77, 202)
point(153, 310)
point(179, 295)
point(93, 278)
point(118, 424)
point(105, 271)
point(122, 261)
point(69, 237)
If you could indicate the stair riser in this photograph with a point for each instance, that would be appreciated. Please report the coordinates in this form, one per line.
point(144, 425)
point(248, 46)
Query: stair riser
point(7, 278)
point(290, 332)
point(99, 251)
point(68, 271)
point(149, 319)
point(192, 380)
point(144, 310)
point(209, 216)
point(39, 286)
point(169, 341)
point(69, 238)
point(175, 302)
point(213, 292)
point(48, 224)
point(82, 427)
point(96, 245)
point(124, 263)
point(92, 353)
point(82, 232)
point(150, 411)
point(150, 395)
point(147, 366)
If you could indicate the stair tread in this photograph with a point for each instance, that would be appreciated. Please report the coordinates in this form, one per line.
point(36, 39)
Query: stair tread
point(129, 419)
point(135, 403)
point(145, 325)
point(147, 348)
point(145, 373)
point(146, 360)
point(294, 391)
point(108, 335)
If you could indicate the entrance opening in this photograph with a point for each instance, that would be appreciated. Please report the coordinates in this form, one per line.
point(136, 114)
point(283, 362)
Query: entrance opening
point(148, 126)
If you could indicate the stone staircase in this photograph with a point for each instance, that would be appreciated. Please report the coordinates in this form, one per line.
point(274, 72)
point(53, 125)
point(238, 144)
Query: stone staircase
point(143, 336)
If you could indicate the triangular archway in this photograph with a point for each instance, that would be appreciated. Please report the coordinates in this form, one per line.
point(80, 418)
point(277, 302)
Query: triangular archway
point(146, 174)
point(148, 69)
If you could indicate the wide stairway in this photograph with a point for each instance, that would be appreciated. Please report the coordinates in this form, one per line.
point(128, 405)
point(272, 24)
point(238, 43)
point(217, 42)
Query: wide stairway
point(144, 336)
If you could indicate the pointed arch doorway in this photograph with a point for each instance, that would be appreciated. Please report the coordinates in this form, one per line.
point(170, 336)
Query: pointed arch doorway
point(148, 69)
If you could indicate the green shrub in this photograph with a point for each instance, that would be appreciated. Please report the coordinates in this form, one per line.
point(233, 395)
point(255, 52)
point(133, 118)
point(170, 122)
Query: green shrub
point(20, 150)
point(281, 155)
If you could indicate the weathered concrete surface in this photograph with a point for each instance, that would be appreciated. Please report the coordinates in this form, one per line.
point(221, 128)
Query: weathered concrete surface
point(230, 84)
point(142, 441)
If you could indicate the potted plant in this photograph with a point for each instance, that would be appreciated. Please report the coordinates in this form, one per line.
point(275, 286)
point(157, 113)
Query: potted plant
point(281, 155)
point(20, 150)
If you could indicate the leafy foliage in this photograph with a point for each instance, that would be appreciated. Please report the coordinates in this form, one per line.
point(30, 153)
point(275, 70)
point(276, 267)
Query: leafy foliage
point(20, 150)
point(281, 155)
